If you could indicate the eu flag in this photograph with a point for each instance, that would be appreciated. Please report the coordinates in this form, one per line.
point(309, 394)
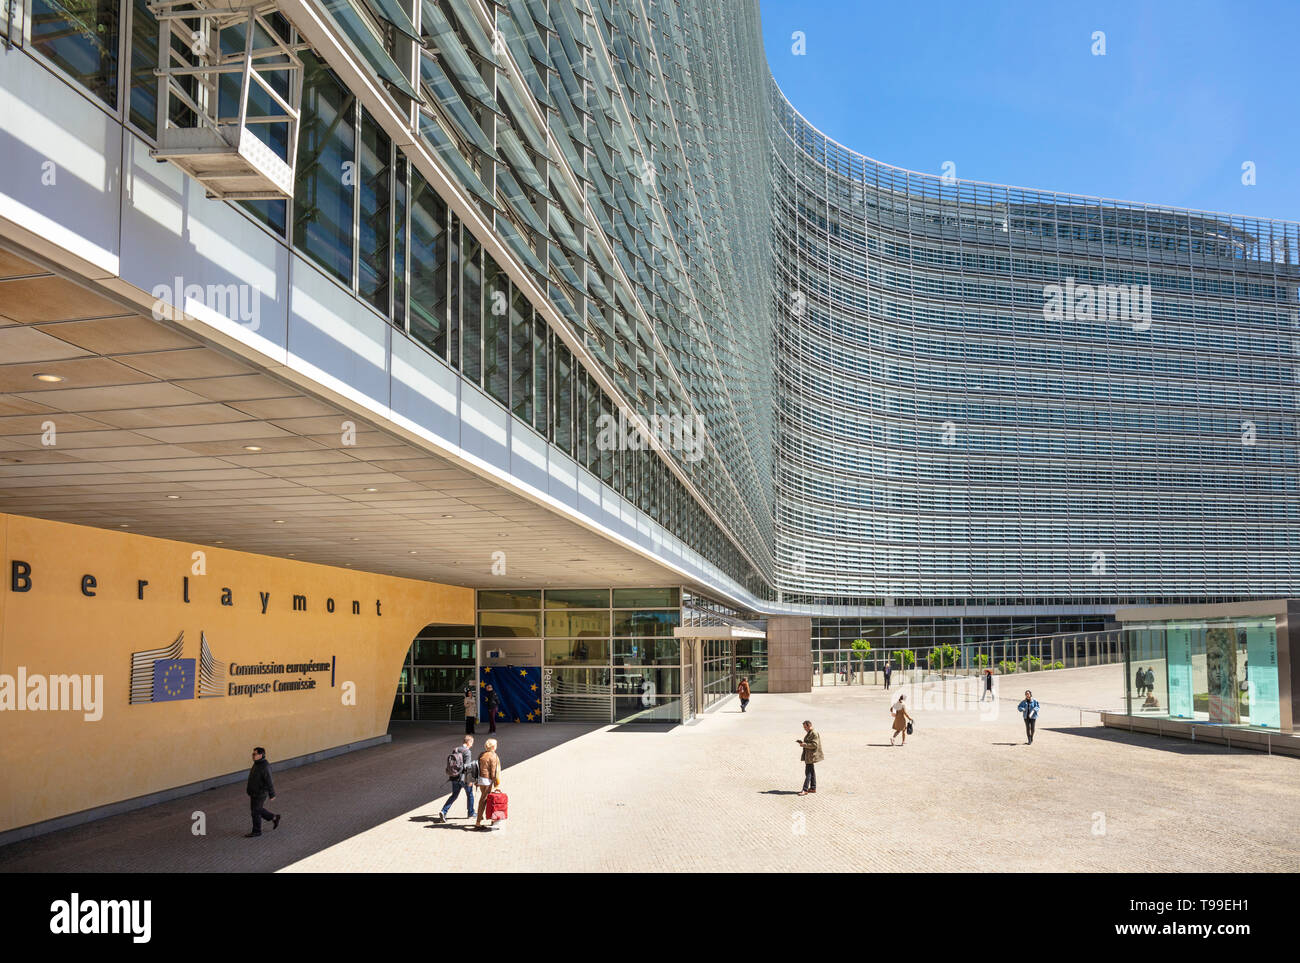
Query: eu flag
point(173, 679)
point(519, 689)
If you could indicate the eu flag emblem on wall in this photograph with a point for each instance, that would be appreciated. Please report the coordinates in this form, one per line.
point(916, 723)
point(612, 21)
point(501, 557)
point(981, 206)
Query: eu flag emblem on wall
point(519, 689)
point(173, 679)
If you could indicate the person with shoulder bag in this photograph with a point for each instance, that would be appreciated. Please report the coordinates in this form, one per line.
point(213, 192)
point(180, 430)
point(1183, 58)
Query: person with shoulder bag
point(902, 721)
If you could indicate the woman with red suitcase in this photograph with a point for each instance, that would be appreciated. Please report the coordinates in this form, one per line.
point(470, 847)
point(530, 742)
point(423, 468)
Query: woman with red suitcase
point(491, 802)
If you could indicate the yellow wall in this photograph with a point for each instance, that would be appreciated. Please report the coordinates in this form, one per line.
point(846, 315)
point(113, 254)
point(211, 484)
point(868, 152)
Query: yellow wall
point(55, 762)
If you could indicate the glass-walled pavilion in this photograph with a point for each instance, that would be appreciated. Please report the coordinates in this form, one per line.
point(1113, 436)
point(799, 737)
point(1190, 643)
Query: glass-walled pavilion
point(1225, 665)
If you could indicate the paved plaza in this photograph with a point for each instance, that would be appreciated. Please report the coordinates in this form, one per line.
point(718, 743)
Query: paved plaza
point(965, 794)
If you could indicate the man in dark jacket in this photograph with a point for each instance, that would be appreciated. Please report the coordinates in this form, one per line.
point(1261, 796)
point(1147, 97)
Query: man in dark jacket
point(811, 744)
point(260, 788)
point(462, 778)
point(492, 701)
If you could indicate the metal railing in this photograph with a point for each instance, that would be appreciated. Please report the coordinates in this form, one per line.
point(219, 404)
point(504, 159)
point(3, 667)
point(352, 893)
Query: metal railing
point(911, 665)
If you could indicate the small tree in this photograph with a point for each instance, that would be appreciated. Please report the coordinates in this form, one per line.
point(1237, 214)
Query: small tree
point(944, 657)
point(1006, 667)
point(861, 647)
point(981, 659)
point(906, 658)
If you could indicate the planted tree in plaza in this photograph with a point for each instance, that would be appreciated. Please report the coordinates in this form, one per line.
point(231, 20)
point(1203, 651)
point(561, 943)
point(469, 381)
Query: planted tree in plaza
point(944, 657)
point(861, 648)
point(906, 658)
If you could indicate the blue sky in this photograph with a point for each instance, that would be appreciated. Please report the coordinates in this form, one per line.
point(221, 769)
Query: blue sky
point(1012, 93)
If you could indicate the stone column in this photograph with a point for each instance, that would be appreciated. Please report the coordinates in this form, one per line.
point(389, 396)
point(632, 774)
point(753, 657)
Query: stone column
point(789, 653)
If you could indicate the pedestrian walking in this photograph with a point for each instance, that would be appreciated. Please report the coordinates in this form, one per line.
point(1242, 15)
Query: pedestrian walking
point(260, 789)
point(742, 690)
point(889, 670)
point(1139, 680)
point(811, 744)
point(901, 719)
point(1029, 708)
point(461, 772)
point(489, 776)
point(988, 684)
point(491, 702)
point(471, 709)
point(1151, 680)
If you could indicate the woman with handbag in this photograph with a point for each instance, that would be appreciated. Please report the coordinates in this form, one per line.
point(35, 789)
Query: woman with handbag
point(901, 721)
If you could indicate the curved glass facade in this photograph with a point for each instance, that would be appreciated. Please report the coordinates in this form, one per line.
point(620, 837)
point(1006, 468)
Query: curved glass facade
point(990, 395)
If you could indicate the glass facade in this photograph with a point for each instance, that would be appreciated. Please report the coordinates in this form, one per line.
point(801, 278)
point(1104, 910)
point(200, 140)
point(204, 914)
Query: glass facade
point(990, 395)
point(903, 390)
point(600, 661)
point(438, 666)
point(1220, 671)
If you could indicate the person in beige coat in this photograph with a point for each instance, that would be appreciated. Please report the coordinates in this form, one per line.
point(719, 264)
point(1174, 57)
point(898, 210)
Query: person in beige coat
point(489, 776)
point(811, 743)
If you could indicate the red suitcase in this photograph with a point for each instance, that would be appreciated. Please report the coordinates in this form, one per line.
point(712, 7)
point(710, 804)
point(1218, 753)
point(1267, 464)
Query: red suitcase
point(497, 805)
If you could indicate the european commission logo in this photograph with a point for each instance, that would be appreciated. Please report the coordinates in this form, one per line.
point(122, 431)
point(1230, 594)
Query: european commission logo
point(161, 675)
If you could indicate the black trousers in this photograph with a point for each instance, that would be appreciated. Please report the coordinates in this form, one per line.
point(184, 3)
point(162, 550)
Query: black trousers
point(1029, 728)
point(492, 720)
point(809, 776)
point(744, 703)
point(469, 725)
point(886, 680)
point(258, 806)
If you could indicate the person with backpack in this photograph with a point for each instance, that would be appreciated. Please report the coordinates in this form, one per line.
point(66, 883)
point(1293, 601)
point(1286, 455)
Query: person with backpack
point(1029, 709)
point(489, 777)
point(471, 709)
point(461, 772)
point(742, 690)
point(491, 702)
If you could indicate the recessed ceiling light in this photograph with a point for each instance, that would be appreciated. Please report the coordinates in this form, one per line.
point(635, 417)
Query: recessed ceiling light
point(501, 534)
point(173, 496)
point(448, 516)
point(279, 521)
point(252, 448)
point(372, 489)
point(413, 552)
point(124, 525)
point(52, 379)
point(356, 539)
point(221, 541)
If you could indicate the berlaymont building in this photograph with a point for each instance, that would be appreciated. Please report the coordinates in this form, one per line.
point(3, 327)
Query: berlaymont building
point(356, 351)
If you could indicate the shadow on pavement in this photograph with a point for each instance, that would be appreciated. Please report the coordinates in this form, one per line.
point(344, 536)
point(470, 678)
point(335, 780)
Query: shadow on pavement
point(1163, 743)
point(323, 803)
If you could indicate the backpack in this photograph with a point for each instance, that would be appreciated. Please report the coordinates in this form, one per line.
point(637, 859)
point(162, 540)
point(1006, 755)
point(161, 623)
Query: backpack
point(455, 764)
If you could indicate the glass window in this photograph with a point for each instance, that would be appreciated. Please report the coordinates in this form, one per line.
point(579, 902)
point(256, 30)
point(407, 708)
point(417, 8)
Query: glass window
point(506, 625)
point(570, 624)
point(428, 266)
point(471, 312)
point(375, 228)
point(650, 707)
point(444, 680)
point(496, 330)
point(445, 652)
point(81, 38)
point(594, 651)
point(453, 297)
point(577, 598)
point(541, 408)
point(521, 357)
point(322, 201)
point(646, 622)
point(625, 598)
point(647, 652)
point(510, 599)
point(639, 680)
point(563, 396)
point(594, 681)
point(402, 174)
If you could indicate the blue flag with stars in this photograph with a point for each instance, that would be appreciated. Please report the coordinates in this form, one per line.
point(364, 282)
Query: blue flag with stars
point(519, 688)
point(173, 679)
